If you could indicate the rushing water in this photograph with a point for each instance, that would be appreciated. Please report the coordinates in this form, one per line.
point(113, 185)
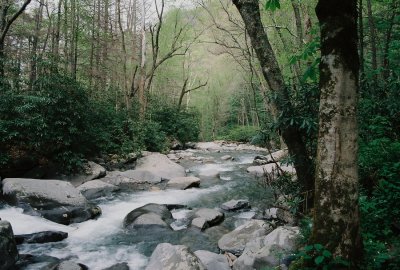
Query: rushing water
point(103, 242)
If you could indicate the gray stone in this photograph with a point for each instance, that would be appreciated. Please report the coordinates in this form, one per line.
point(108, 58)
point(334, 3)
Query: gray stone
point(170, 257)
point(200, 223)
point(269, 250)
point(70, 265)
point(212, 261)
point(183, 182)
point(91, 171)
point(56, 200)
point(41, 237)
point(118, 266)
point(260, 171)
point(96, 188)
point(235, 241)
point(211, 216)
point(161, 166)
point(226, 157)
point(273, 157)
point(234, 205)
point(148, 215)
point(8, 248)
point(212, 173)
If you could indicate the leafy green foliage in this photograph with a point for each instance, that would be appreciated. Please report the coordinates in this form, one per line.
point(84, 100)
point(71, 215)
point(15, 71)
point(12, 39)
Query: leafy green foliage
point(240, 133)
point(317, 257)
point(272, 5)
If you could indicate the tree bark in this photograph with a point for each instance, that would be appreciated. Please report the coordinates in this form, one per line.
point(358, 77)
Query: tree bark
point(299, 27)
point(336, 214)
point(250, 12)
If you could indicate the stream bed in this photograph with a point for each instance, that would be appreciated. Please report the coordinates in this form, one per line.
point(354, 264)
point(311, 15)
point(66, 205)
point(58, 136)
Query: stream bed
point(104, 242)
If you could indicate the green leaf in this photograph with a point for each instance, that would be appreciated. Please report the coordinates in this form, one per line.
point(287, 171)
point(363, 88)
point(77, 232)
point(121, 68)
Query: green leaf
point(327, 254)
point(318, 247)
point(272, 5)
point(319, 260)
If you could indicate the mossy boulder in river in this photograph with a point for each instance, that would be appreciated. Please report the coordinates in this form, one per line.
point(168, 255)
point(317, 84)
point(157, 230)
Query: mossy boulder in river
point(55, 200)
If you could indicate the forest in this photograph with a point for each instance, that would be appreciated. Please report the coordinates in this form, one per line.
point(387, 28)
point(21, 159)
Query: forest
point(87, 79)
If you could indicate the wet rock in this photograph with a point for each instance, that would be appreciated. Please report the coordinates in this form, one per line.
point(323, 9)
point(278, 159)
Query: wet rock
point(91, 171)
point(132, 179)
point(273, 157)
point(183, 182)
point(200, 223)
point(56, 200)
point(161, 166)
point(8, 248)
point(41, 237)
point(234, 205)
point(208, 146)
point(118, 266)
point(211, 216)
point(268, 250)
point(96, 188)
point(148, 215)
point(70, 265)
point(42, 262)
point(212, 261)
point(170, 257)
point(235, 241)
point(260, 171)
point(227, 157)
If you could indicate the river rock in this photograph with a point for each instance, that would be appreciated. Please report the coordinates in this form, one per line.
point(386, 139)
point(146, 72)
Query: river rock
point(8, 248)
point(212, 261)
point(70, 265)
point(170, 257)
point(268, 250)
point(41, 262)
point(200, 223)
point(227, 157)
point(132, 179)
point(91, 171)
point(234, 205)
point(96, 188)
point(235, 241)
point(161, 166)
point(148, 215)
point(56, 200)
point(41, 237)
point(208, 146)
point(118, 266)
point(260, 171)
point(183, 182)
point(273, 157)
point(211, 216)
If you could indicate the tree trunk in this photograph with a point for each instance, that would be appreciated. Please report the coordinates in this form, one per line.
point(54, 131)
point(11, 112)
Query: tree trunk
point(142, 82)
point(361, 38)
point(35, 41)
point(250, 12)
point(299, 27)
point(388, 39)
point(336, 214)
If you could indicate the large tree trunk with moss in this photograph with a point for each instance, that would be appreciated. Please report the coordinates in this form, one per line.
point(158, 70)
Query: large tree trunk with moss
point(250, 12)
point(336, 214)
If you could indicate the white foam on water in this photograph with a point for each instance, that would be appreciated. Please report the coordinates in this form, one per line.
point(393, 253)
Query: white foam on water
point(25, 224)
point(87, 241)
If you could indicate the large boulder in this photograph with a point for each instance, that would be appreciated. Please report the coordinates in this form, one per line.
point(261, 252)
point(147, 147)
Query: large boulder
point(41, 237)
point(234, 205)
point(96, 188)
point(260, 171)
point(235, 241)
point(183, 182)
point(148, 215)
point(70, 265)
point(132, 179)
point(118, 266)
point(273, 157)
point(161, 166)
point(8, 248)
point(212, 261)
point(170, 257)
point(56, 200)
point(211, 216)
point(269, 250)
point(90, 172)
